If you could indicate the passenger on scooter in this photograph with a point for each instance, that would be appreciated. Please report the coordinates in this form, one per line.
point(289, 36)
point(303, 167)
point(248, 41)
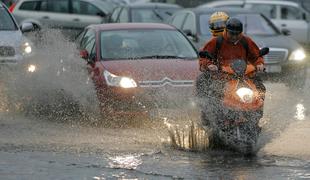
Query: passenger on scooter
point(233, 44)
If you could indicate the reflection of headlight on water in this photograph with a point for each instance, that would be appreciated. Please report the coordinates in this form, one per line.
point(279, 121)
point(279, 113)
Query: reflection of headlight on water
point(245, 94)
point(32, 68)
point(27, 48)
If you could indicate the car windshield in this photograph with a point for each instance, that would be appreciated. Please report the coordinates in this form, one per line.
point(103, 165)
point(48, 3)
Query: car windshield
point(145, 44)
point(6, 21)
point(253, 24)
point(152, 15)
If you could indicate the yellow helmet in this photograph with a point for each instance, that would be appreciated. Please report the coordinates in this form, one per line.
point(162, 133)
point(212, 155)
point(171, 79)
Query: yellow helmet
point(217, 22)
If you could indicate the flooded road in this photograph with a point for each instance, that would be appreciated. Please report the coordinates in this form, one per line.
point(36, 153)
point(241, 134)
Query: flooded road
point(32, 148)
point(46, 147)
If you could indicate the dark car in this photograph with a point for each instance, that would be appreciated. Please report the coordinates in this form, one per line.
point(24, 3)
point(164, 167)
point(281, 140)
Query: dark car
point(143, 12)
point(286, 57)
point(139, 66)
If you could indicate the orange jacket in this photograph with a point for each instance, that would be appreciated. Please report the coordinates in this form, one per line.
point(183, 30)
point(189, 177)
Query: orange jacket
point(230, 51)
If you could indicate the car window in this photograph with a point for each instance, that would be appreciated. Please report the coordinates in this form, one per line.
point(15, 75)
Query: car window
point(178, 20)
point(230, 6)
point(123, 17)
point(189, 23)
point(81, 7)
point(115, 14)
point(6, 22)
point(290, 13)
point(43, 5)
point(255, 24)
point(29, 5)
point(59, 6)
point(268, 10)
point(135, 44)
point(151, 15)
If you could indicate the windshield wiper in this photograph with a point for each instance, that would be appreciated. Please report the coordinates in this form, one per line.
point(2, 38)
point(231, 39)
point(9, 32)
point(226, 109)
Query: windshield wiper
point(161, 57)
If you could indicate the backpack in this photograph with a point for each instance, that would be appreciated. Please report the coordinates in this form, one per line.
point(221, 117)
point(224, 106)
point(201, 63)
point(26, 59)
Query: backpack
point(219, 42)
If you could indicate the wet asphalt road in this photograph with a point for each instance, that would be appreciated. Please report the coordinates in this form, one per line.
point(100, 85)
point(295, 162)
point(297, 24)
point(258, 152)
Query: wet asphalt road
point(37, 148)
point(34, 148)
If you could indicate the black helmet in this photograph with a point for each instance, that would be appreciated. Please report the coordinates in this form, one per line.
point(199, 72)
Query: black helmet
point(234, 26)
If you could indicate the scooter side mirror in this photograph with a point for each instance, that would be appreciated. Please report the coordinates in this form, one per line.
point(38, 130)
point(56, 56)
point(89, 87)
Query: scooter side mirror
point(206, 54)
point(263, 51)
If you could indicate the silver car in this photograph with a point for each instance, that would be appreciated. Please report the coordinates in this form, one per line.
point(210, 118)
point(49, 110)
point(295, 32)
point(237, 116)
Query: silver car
point(14, 47)
point(69, 15)
point(286, 60)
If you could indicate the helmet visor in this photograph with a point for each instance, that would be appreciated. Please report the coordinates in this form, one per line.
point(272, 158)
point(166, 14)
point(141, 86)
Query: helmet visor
point(217, 25)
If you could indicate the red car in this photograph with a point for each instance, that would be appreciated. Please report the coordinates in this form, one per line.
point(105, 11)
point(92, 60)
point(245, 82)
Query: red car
point(139, 66)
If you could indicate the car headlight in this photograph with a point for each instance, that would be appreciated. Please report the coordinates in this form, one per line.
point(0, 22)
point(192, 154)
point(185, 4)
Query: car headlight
point(119, 81)
point(26, 48)
point(245, 94)
point(297, 55)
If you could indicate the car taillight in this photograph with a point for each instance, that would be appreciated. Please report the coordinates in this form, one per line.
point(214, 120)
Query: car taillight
point(12, 7)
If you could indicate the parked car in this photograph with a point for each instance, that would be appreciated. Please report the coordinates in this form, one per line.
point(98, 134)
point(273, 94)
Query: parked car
point(15, 48)
point(288, 16)
point(69, 15)
point(139, 66)
point(143, 12)
point(286, 57)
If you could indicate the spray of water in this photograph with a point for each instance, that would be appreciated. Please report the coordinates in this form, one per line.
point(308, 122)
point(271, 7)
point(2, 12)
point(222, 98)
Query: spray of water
point(56, 84)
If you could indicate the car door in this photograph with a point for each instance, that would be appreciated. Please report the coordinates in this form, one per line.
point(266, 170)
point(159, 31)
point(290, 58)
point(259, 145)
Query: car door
point(178, 20)
point(85, 13)
point(114, 16)
point(189, 27)
point(293, 19)
point(87, 44)
point(123, 16)
point(285, 17)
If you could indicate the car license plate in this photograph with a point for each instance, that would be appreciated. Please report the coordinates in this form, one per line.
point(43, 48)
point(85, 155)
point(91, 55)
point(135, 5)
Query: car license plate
point(273, 68)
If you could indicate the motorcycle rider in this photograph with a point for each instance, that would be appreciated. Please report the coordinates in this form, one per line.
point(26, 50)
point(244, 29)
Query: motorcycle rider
point(217, 24)
point(233, 44)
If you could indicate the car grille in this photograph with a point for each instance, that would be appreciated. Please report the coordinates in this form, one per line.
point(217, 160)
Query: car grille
point(276, 55)
point(7, 51)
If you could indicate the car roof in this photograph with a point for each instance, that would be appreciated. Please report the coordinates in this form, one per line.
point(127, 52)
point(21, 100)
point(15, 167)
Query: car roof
point(226, 2)
point(205, 10)
point(123, 26)
point(152, 5)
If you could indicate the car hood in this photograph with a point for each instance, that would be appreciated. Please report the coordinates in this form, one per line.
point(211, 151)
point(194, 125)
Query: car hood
point(150, 70)
point(11, 38)
point(278, 41)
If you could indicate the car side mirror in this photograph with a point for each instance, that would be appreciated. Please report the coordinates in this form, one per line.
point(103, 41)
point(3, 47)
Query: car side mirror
point(190, 35)
point(101, 14)
point(286, 32)
point(26, 27)
point(263, 51)
point(84, 54)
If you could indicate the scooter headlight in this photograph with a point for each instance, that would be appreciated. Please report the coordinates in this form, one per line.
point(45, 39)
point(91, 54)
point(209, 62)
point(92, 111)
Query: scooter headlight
point(246, 95)
point(120, 81)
